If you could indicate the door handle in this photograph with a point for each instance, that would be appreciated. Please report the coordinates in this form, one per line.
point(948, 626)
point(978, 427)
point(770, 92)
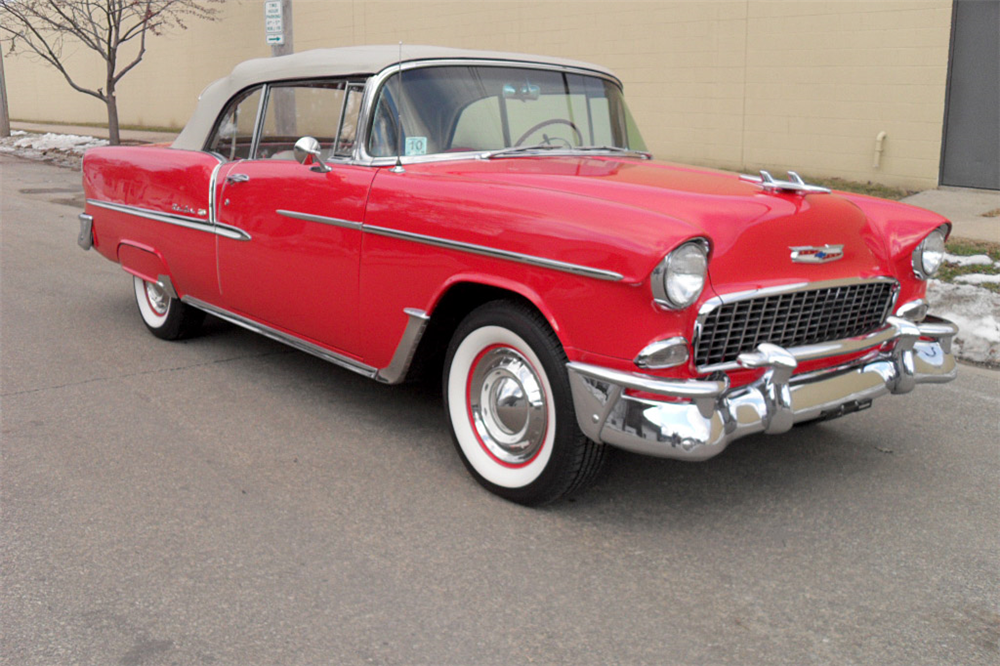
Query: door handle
point(234, 178)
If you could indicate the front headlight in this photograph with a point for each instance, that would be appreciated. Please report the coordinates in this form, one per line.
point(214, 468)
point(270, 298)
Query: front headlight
point(677, 281)
point(927, 257)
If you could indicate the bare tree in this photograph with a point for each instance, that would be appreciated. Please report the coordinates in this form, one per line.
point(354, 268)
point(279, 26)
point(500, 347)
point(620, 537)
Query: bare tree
point(115, 29)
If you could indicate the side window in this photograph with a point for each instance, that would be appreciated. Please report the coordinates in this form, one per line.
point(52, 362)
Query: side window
point(298, 110)
point(233, 135)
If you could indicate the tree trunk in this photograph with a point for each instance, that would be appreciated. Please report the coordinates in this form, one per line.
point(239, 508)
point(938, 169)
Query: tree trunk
point(112, 103)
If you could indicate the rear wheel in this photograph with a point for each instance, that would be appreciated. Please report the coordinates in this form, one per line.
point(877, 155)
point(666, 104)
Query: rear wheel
point(165, 317)
point(508, 402)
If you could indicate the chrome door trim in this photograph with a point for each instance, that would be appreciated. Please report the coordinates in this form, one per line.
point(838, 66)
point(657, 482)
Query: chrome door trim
point(297, 343)
point(321, 219)
point(185, 221)
point(575, 269)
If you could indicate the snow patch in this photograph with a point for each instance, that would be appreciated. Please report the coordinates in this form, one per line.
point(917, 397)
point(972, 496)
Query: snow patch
point(64, 143)
point(978, 278)
point(976, 311)
point(974, 260)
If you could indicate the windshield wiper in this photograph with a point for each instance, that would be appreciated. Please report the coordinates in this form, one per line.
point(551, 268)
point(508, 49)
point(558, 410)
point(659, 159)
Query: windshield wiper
point(615, 149)
point(568, 150)
point(514, 150)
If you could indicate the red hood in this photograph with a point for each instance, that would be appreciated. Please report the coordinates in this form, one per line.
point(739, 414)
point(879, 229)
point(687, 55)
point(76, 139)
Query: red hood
point(747, 227)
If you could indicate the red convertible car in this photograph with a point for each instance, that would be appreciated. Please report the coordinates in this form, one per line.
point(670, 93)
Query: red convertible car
point(494, 218)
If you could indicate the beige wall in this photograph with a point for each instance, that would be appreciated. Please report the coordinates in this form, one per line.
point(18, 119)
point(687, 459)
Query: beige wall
point(742, 85)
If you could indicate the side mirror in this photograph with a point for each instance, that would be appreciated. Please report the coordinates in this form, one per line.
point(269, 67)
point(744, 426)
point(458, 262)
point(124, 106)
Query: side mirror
point(307, 147)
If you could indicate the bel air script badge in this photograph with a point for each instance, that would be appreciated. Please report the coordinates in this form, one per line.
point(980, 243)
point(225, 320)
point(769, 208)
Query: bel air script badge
point(817, 254)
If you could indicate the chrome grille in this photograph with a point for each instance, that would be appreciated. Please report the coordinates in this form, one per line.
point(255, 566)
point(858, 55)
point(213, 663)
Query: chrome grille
point(791, 319)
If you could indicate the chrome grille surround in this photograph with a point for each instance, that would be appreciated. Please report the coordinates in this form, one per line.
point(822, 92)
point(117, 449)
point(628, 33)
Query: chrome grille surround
point(789, 316)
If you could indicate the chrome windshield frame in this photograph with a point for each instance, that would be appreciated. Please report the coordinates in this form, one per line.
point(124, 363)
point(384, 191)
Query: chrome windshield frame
point(374, 85)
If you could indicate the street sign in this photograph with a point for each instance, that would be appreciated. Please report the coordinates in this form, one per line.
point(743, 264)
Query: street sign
point(274, 24)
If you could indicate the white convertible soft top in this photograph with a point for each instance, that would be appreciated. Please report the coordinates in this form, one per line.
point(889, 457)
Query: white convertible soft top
point(335, 62)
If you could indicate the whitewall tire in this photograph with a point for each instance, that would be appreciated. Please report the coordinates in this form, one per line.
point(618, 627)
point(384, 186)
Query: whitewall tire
point(165, 317)
point(508, 402)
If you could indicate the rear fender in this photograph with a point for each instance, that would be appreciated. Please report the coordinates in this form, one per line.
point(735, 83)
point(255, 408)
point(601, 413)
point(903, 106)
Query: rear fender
point(146, 263)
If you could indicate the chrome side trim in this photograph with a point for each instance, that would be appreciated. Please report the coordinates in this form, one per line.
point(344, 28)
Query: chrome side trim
point(395, 372)
point(576, 269)
point(321, 219)
point(290, 340)
point(195, 223)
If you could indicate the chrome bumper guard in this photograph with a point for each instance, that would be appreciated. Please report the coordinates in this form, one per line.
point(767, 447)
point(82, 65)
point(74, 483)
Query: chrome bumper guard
point(697, 419)
point(86, 237)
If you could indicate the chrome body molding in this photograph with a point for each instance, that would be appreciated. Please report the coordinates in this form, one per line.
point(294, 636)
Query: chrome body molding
point(575, 269)
point(185, 221)
point(286, 338)
point(396, 371)
point(698, 419)
point(321, 219)
point(86, 237)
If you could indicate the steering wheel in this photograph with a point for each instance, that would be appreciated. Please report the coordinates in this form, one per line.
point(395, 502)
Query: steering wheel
point(552, 121)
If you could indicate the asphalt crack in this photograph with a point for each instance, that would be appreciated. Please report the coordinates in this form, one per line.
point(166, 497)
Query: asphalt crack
point(145, 372)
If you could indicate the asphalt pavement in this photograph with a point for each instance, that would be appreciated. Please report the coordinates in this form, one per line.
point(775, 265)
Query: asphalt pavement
point(227, 500)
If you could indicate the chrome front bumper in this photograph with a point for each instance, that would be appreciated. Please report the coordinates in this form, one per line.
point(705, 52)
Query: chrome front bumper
point(696, 419)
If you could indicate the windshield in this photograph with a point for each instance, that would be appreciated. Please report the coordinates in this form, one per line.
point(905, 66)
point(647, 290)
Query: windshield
point(478, 108)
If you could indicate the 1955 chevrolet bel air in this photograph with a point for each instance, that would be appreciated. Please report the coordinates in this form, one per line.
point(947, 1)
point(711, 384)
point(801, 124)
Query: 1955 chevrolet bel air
point(495, 218)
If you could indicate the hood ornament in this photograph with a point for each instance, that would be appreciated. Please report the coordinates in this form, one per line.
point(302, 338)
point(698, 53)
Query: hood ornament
point(794, 183)
point(817, 254)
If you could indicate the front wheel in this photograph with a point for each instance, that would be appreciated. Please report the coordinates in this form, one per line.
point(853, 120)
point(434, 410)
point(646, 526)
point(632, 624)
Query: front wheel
point(508, 401)
point(165, 317)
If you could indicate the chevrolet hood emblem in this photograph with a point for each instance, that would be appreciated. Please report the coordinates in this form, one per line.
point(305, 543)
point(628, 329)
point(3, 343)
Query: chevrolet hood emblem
point(817, 254)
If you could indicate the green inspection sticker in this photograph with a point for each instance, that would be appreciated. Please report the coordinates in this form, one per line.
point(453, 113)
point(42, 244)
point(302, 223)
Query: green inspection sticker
point(416, 145)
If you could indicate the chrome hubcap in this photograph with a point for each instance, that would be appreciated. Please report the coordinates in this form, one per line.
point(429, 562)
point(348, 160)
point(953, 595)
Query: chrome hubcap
point(158, 299)
point(507, 403)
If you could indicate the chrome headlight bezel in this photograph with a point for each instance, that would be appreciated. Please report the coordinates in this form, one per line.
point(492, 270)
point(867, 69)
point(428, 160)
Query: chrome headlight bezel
point(669, 291)
point(929, 253)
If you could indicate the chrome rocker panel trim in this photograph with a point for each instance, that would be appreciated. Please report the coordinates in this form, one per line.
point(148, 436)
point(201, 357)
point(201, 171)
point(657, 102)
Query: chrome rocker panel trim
point(394, 373)
point(702, 417)
point(286, 338)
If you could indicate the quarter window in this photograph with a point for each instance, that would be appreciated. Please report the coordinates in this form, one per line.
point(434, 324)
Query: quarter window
point(233, 135)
